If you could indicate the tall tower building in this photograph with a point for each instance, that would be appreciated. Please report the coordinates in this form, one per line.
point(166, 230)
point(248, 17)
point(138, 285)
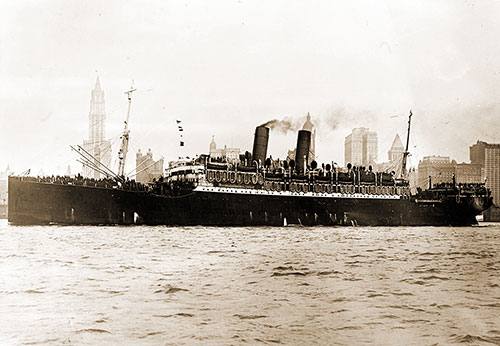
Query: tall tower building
point(477, 152)
point(487, 156)
point(361, 147)
point(492, 170)
point(396, 156)
point(397, 149)
point(97, 145)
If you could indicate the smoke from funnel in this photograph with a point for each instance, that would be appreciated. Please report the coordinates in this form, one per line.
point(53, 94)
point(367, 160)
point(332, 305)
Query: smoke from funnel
point(328, 121)
point(284, 125)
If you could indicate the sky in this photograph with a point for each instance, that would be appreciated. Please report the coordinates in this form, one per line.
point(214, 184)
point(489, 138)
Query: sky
point(224, 67)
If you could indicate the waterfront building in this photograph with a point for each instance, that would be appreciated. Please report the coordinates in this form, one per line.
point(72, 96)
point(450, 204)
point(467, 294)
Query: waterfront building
point(97, 145)
point(225, 154)
point(440, 169)
point(492, 170)
point(477, 152)
point(469, 173)
point(487, 156)
point(361, 147)
point(146, 169)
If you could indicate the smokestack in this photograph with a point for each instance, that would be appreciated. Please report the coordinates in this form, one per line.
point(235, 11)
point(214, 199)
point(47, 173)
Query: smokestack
point(302, 152)
point(260, 144)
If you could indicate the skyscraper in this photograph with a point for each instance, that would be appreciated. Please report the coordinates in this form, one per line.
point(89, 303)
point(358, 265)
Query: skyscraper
point(487, 156)
point(97, 145)
point(492, 170)
point(477, 152)
point(361, 147)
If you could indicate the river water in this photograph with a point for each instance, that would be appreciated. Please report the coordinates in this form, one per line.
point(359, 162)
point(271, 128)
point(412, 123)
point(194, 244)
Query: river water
point(230, 286)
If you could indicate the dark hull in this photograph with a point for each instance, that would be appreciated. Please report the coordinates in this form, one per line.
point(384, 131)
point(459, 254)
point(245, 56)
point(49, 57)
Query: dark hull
point(45, 203)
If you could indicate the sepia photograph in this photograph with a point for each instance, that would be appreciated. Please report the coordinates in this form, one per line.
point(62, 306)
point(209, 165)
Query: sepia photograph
point(249, 172)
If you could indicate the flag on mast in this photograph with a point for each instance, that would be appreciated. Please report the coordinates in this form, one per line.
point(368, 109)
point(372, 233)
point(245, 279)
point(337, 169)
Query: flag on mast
point(180, 129)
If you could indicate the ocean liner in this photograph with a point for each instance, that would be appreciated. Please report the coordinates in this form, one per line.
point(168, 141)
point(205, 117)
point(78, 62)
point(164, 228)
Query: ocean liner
point(254, 190)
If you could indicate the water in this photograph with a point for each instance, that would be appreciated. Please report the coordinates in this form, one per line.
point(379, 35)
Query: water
point(221, 286)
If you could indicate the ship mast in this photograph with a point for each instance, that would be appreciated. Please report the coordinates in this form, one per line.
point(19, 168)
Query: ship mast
point(406, 153)
point(122, 153)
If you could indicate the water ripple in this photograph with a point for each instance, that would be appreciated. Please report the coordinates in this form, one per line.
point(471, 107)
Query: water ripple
point(290, 285)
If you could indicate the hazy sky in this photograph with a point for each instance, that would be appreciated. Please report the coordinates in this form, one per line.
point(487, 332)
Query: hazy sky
point(224, 67)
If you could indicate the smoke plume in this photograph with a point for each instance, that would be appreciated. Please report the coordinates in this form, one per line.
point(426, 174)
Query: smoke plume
point(284, 125)
point(329, 120)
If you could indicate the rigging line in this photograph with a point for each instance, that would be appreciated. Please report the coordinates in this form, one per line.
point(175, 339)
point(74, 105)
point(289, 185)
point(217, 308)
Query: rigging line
point(139, 139)
point(144, 169)
point(48, 149)
point(109, 148)
point(136, 167)
point(95, 123)
point(96, 141)
point(136, 144)
point(106, 151)
point(64, 163)
point(100, 163)
point(393, 164)
point(86, 162)
point(380, 153)
point(422, 181)
point(418, 183)
point(95, 168)
point(149, 176)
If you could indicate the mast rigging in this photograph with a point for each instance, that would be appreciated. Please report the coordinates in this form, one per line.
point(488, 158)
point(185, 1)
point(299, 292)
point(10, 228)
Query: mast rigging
point(406, 153)
point(122, 153)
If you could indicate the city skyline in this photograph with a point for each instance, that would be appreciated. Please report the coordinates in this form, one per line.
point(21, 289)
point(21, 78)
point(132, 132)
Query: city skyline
point(225, 68)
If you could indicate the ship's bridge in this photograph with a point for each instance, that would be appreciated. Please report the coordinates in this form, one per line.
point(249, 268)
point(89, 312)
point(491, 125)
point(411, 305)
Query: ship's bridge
point(186, 172)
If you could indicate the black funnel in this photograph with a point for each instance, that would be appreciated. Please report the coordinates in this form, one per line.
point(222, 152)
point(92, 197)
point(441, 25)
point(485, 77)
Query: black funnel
point(260, 144)
point(302, 153)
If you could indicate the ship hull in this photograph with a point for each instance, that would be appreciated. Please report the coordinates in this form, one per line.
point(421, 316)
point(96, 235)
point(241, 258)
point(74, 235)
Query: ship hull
point(32, 202)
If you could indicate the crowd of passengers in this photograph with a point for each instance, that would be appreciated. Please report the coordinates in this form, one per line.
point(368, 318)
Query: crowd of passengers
point(463, 186)
point(128, 184)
